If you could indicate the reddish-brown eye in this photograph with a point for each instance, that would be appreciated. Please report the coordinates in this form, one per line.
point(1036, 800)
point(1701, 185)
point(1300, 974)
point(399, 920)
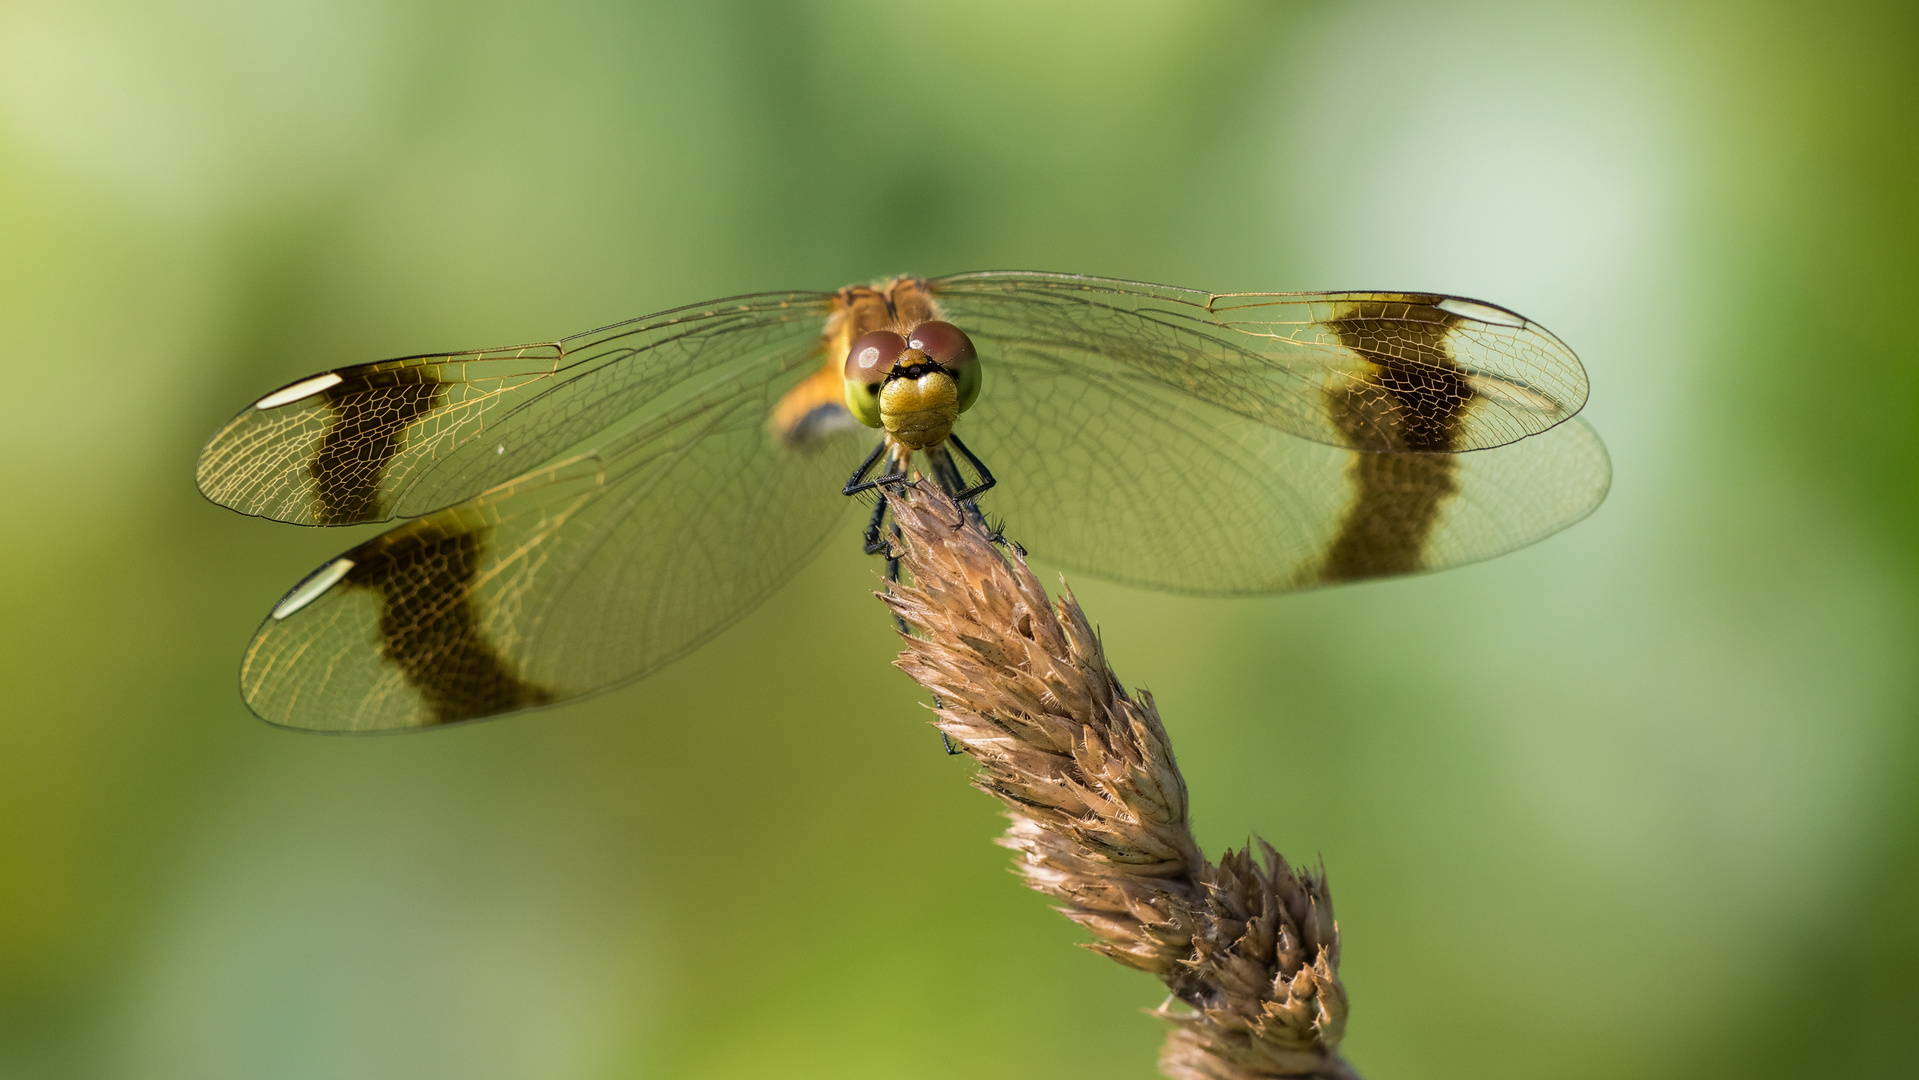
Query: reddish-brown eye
point(945, 344)
point(872, 356)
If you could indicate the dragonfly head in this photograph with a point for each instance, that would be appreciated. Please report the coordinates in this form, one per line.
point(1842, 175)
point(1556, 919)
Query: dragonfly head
point(914, 385)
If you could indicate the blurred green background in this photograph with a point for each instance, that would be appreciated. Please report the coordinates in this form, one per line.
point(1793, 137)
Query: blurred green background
point(1639, 800)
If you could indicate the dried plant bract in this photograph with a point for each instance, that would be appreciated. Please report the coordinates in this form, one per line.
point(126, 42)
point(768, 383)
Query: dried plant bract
point(1248, 946)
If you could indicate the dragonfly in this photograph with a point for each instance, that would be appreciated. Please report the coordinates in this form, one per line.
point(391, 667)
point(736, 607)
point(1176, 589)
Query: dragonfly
point(573, 515)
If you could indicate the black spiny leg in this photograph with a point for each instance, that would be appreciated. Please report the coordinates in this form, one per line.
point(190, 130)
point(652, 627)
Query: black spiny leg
point(892, 579)
point(877, 546)
point(986, 480)
point(951, 481)
point(859, 483)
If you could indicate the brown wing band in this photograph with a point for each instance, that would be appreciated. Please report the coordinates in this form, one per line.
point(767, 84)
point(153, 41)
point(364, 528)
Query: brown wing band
point(1414, 400)
point(429, 626)
point(370, 417)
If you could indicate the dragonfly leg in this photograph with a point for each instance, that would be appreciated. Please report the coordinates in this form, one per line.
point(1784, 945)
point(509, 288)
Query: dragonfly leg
point(997, 535)
point(875, 545)
point(893, 578)
point(950, 481)
point(986, 480)
point(858, 482)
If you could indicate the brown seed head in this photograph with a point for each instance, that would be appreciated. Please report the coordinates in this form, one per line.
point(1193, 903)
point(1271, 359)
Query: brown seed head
point(1098, 810)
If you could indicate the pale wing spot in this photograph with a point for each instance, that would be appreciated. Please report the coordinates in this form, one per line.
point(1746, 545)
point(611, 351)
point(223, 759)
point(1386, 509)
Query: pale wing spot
point(314, 587)
point(305, 388)
point(1478, 312)
point(1509, 392)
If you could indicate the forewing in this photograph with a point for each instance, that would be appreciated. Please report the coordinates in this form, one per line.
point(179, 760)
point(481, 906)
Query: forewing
point(567, 580)
point(404, 437)
point(1125, 477)
point(1370, 371)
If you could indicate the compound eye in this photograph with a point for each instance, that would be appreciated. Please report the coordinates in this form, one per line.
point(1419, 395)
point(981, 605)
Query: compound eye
point(872, 356)
point(945, 344)
point(949, 347)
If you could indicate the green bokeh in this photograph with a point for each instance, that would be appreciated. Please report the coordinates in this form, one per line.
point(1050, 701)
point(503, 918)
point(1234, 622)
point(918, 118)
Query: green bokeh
point(1639, 800)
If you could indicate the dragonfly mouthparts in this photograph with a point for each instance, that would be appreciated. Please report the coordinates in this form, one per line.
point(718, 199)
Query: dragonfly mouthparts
point(914, 371)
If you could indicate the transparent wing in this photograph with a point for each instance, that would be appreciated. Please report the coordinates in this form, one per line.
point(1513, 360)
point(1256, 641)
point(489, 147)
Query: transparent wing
point(404, 437)
point(1183, 440)
point(570, 579)
point(1366, 371)
point(1124, 473)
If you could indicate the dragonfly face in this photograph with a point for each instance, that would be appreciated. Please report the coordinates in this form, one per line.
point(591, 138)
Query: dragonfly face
point(578, 513)
point(914, 384)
